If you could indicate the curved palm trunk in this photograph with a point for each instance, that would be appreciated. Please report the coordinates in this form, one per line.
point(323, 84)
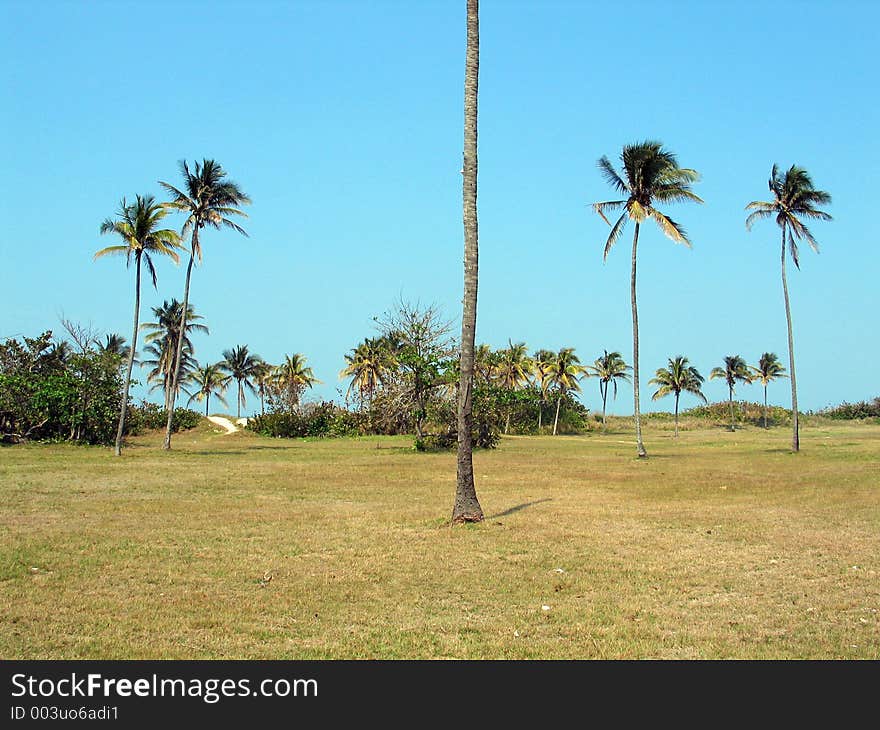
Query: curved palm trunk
point(467, 507)
point(137, 306)
point(730, 401)
point(175, 373)
point(640, 447)
point(795, 435)
point(556, 419)
point(677, 396)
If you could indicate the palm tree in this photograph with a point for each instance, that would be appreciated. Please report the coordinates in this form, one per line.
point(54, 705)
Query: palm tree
point(563, 373)
point(466, 507)
point(541, 361)
point(367, 366)
point(609, 369)
point(160, 358)
point(293, 376)
point(137, 225)
point(676, 378)
point(208, 199)
point(164, 334)
point(650, 174)
point(264, 378)
point(768, 368)
point(794, 197)
point(512, 370)
point(735, 370)
point(210, 380)
point(485, 363)
point(243, 368)
point(114, 344)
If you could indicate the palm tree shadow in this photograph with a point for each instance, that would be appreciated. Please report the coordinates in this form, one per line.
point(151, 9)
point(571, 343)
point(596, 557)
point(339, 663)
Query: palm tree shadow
point(519, 507)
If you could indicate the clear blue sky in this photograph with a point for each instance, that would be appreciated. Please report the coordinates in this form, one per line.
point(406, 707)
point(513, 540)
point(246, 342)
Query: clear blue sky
point(343, 121)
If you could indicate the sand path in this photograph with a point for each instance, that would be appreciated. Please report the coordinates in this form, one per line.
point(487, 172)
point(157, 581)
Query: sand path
point(224, 423)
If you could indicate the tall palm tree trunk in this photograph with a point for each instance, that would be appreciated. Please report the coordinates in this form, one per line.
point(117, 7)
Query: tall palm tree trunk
point(677, 396)
point(239, 400)
point(137, 306)
point(175, 373)
point(467, 506)
point(556, 419)
point(207, 401)
point(540, 414)
point(795, 435)
point(730, 401)
point(640, 447)
point(604, 393)
point(765, 405)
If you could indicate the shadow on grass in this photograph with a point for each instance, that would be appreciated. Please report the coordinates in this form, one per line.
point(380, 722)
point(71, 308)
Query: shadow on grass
point(519, 508)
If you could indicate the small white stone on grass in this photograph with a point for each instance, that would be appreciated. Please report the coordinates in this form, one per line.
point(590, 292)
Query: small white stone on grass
point(545, 607)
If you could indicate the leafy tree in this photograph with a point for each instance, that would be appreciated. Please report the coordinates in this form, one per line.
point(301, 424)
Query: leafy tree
point(609, 368)
point(208, 198)
point(676, 378)
point(794, 197)
point(734, 371)
point(209, 380)
point(137, 225)
point(243, 368)
point(650, 174)
point(292, 377)
point(563, 372)
point(466, 507)
point(512, 371)
point(768, 369)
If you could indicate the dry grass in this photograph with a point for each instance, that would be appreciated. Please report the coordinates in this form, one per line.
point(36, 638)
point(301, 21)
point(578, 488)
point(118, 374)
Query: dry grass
point(720, 545)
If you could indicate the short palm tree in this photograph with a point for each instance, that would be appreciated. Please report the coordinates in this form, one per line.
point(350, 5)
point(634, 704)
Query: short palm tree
point(209, 380)
point(367, 365)
point(608, 369)
point(650, 175)
point(485, 362)
point(159, 358)
point(734, 371)
point(114, 344)
point(264, 379)
point(512, 371)
point(768, 368)
point(541, 362)
point(794, 197)
point(243, 368)
point(564, 371)
point(293, 376)
point(208, 198)
point(676, 378)
point(137, 224)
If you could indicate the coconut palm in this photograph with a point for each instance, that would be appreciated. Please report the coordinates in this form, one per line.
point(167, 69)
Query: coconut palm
point(563, 373)
point(137, 224)
point(209, 380)
point(794, 197)
point(114, 344)
point(609, 368)
point(734, 371)
point(264, 379)
point(367, 366)
point(485, 363)
point(207, 199)
point(541, 361)
point(159, 358)
point(768, 368)
point(512, 370)
point(292, 377)
point(163, 333)
point(466, 507)
point(677, 378)
point(650, 174)
point(243, 368)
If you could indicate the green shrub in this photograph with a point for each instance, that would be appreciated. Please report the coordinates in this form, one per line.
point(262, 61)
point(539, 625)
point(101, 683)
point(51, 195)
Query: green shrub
point(317, 421)
point(851, 411)
point(152, 417)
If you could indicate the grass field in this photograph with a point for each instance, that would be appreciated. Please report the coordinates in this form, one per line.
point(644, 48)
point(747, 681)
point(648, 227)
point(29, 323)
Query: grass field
point(236, 546)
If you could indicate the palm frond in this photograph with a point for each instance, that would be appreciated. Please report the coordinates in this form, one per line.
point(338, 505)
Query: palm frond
point(614, 235)
point(672, 229)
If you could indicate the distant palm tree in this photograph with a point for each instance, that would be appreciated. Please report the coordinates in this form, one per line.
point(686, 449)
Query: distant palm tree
point(676, 378)
point(608, 369)
point(541, 361)
point(159, 357)
point(768, 368)
point(293, 376)
point(207, 199)
point(114, 344)
point(650, 174)
point(564, 371)
point(210, 380)
point(734, 371)
point(794, 197)
point(485, 362)
point(367, 366)
point(163, 333)
point(137, 225)
point(264, 378)
point(243, 368)
point(512, 371)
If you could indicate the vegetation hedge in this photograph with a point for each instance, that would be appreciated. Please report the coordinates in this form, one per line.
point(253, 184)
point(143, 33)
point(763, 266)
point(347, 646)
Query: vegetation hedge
point(150, 416)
